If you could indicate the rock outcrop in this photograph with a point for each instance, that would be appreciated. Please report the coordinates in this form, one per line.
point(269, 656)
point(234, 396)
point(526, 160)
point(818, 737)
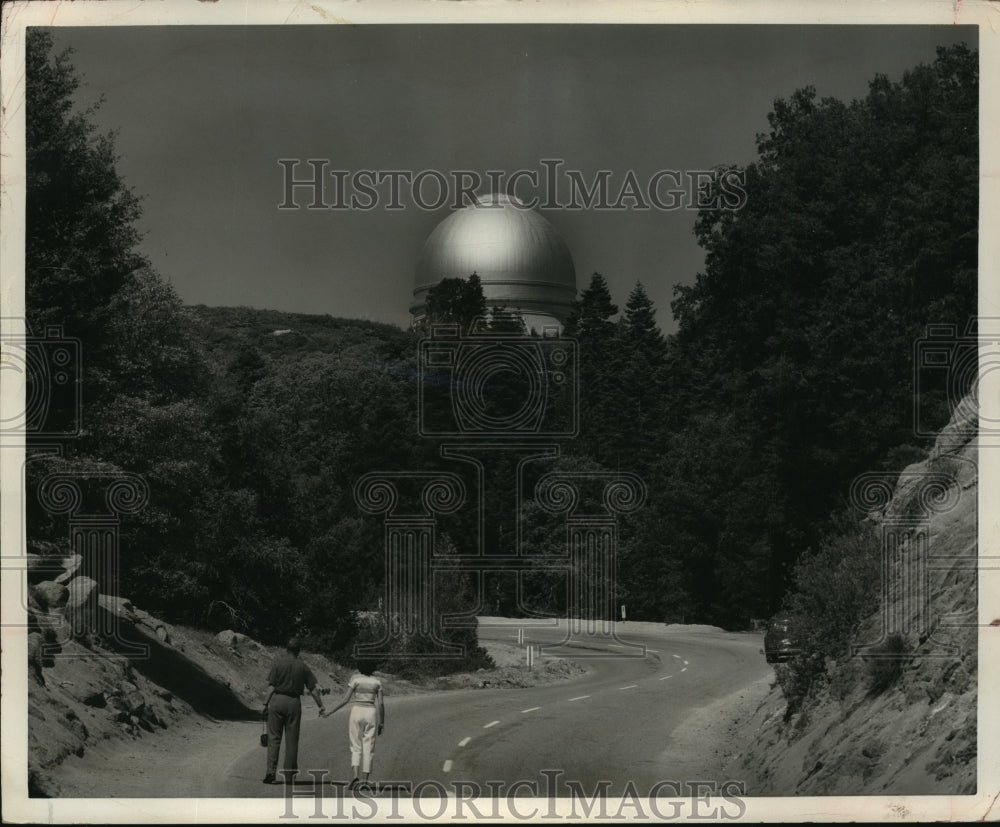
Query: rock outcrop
point(216, 679)
point(99, 666)
point(65, 606)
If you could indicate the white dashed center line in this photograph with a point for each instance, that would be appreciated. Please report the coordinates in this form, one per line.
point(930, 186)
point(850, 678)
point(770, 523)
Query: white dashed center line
point(530, 709)
point(630, 686)
point(491, 723)
point(447, 766)
point(579, 698)
point(676, 656)
point(685, 669)
point(685, 663)
point(464, 741)
point(665, 677)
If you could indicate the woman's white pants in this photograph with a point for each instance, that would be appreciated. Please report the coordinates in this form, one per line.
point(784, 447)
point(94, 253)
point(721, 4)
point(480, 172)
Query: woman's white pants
point(362, 730)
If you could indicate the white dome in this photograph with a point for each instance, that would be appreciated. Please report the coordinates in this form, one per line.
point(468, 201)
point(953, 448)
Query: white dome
point(521, 260)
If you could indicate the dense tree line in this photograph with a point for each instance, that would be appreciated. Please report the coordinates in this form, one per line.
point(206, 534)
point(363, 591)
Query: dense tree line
point(791, 372)
point(792, 369)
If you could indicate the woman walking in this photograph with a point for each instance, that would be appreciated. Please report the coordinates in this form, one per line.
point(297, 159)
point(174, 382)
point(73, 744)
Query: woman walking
point(366, 721)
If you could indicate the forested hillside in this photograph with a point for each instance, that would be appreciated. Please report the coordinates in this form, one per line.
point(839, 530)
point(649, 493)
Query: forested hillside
point(790, 373)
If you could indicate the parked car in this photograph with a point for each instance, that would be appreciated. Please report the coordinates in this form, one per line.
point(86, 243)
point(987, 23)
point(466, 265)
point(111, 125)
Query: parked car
point(780, 643)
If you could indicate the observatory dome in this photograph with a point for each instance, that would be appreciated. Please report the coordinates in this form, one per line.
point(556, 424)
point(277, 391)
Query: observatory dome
point(522, 261)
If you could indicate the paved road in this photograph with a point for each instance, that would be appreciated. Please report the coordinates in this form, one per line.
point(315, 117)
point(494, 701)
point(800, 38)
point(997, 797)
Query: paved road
point(615, 724)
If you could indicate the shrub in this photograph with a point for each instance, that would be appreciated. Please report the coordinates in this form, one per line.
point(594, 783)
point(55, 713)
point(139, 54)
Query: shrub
point(835, 588)
point(415, 656)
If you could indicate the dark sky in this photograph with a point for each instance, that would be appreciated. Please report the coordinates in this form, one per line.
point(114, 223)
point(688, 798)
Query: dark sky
point(204, 113)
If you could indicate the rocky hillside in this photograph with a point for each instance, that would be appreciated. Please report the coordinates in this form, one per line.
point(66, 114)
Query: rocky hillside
point(904, 723)
point(86, 685)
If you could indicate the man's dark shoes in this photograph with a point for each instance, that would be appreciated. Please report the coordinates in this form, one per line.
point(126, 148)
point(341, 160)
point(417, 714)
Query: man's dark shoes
point(353, 785)
point(269, 778)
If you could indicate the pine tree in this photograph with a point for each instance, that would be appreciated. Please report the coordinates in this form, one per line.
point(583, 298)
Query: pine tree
point(590, 316)
point(591, 324)
point(643, 381)
point(640, 318)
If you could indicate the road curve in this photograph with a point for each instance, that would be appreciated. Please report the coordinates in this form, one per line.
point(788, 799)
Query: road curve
point(610, 727)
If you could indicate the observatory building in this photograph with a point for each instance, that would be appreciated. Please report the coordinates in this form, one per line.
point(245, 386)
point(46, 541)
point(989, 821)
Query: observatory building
point(521, 260)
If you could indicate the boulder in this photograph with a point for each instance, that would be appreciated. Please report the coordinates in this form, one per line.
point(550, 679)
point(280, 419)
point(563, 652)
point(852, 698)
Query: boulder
point(81, 607)
point(135, 702)
point(50, 594)
point(119, 605)
point(70, 564)
point(40, 567)
point(227, 638)
point(119, 612)
point(53, 626)
point(236, 640)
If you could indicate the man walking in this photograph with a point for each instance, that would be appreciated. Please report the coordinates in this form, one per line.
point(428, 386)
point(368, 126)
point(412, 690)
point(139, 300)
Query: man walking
point(287, 678)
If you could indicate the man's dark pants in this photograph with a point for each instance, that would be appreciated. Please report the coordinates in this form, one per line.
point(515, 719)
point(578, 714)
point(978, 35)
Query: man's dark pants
point(284, 714)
